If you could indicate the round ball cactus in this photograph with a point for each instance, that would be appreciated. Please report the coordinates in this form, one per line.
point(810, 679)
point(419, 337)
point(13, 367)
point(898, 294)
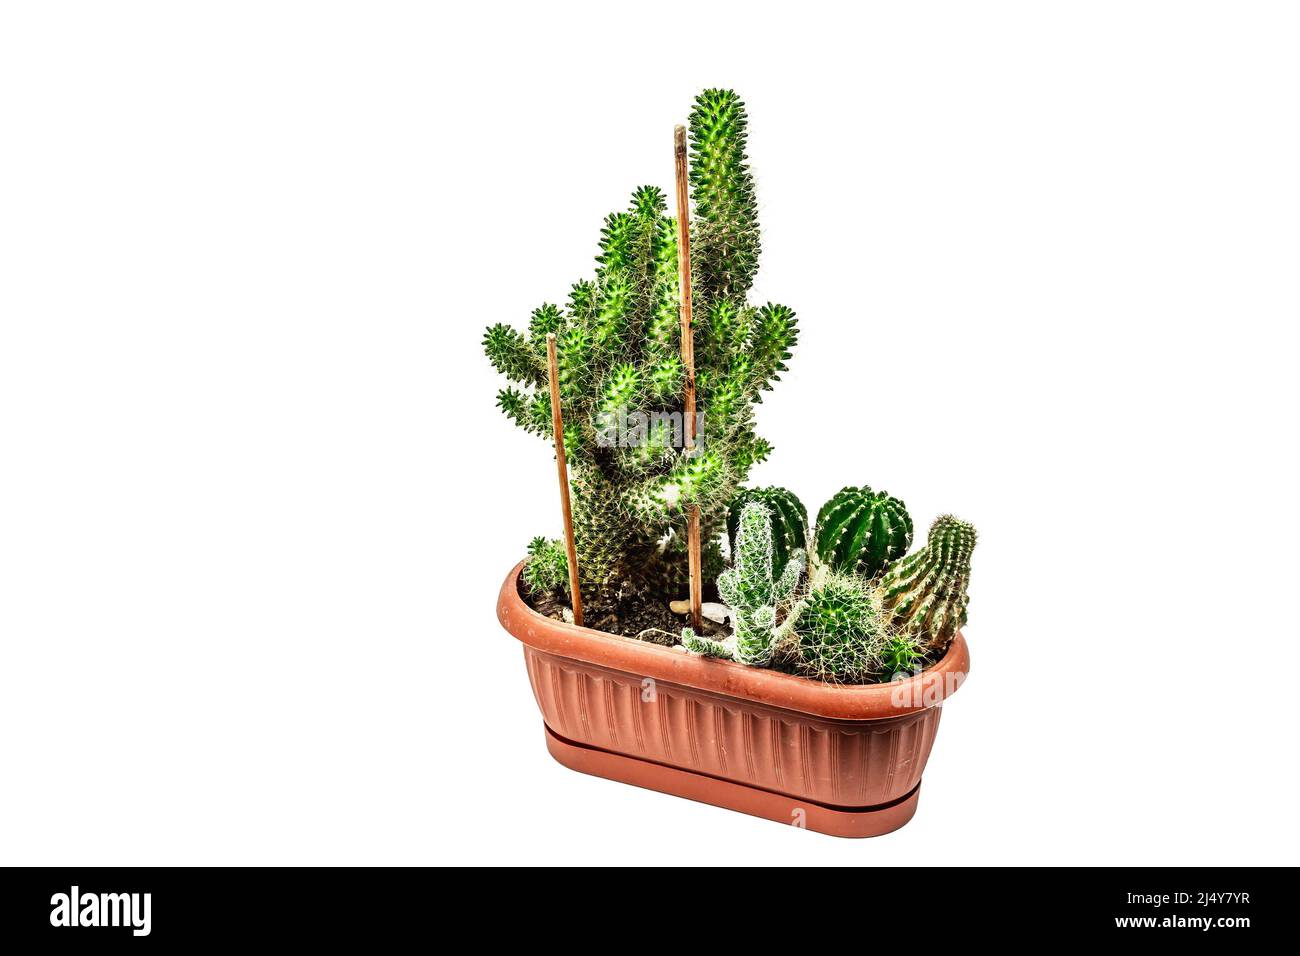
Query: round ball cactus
point(841, 631)
point(789, 522)
point(925, 593)
point(862, 531)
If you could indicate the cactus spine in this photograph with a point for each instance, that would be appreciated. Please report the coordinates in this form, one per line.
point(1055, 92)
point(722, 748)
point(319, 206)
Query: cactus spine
point(862, 531)
point(926, 592)
point(753, 591)
point(789, 522)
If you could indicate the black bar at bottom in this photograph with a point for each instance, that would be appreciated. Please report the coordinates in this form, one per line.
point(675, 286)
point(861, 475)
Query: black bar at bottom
point(901, 906)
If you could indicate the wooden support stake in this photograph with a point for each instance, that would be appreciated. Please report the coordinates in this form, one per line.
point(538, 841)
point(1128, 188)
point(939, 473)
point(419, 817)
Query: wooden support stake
point(557, 423)
point(688, 360)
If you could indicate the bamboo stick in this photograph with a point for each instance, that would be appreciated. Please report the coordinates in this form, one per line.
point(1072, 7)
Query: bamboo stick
point(688, 360)
point(562, 469)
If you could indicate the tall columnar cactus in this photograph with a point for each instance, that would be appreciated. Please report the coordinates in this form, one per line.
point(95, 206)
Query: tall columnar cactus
point(840, 631)
point(862, 531)
point(621, 377)
point(753, 590)
point(789, 521)
point(926, 592)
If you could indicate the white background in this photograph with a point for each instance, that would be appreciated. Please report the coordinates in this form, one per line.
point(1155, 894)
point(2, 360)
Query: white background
point(257, 501)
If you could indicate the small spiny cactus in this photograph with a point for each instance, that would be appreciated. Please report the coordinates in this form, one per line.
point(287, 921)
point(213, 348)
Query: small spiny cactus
point(789, 522)
point(902, 656)
point(547, 567)
point(753, 591)
point(840, 631)
point(925, 593)
point(862, 531)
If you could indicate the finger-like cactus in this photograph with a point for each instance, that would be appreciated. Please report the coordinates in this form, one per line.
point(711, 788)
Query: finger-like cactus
point(862, 531)
point(707, 646)
point(726, 244)
point(753, 591)
point(840, 631)
point(789, 521)
point(618, 349)
point(925, 593)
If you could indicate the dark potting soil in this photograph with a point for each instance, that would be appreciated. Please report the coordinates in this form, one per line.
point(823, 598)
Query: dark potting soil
point(645, 619)
point(648, 620)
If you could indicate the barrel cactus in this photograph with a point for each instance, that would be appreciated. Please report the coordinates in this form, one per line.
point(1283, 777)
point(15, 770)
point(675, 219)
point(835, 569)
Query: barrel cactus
point(789, 521)
point(925, 593)
point(621, 376)
point(753, 590)
point(862, 531)
point(839, 631)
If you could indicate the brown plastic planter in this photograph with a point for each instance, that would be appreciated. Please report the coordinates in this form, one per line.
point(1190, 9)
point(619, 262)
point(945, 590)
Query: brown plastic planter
point(844, 760)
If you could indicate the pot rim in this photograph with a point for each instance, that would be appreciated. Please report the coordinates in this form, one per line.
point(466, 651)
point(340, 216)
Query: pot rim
point(730, 678)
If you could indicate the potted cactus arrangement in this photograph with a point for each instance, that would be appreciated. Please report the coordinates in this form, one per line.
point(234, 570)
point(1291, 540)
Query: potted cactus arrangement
point(690, 633)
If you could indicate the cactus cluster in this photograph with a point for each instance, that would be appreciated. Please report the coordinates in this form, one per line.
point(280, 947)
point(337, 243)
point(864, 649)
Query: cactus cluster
point(621, 376)
point(754, 590)
point(925, 593)
point(868, 613)
point(862, 531)
point(789, 521)
point(865, 610)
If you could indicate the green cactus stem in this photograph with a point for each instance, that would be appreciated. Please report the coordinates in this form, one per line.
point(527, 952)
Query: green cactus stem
point(789, 521)
point(699, 644)
point(925, 592)
point(725, 242)
point(753, 591)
